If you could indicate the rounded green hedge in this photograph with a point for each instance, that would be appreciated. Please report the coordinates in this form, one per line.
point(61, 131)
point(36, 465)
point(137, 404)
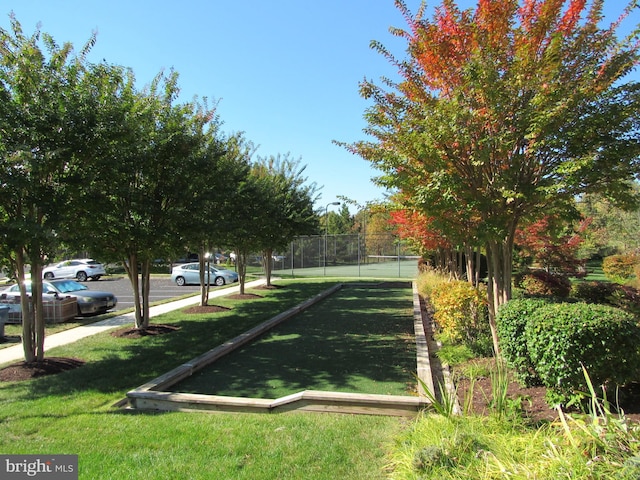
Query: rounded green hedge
point(512, 320)
point(562, 337)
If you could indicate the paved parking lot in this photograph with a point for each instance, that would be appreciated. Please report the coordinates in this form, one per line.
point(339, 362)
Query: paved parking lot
point(162, 288)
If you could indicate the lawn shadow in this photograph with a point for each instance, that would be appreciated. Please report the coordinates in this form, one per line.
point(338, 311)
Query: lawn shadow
point(117, 365)
point(358, 340)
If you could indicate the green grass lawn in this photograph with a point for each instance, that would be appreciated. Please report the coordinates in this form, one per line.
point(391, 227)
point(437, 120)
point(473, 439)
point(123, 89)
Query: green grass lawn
point(359, 339)
point(73, 413)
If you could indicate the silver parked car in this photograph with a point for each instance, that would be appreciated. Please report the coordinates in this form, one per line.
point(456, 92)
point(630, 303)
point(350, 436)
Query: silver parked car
point(189, 273)
point(80, 269)
point(90, 302)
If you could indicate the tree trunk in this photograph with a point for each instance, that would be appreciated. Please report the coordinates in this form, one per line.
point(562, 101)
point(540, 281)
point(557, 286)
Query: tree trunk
point(38, 308)
point(468, 254)
point(500, 264)
point(205, 277)
point(146, 290)
point(131, 266)
point(28, 322)
point(267, 262)
point(241, 267)
point(478, 267)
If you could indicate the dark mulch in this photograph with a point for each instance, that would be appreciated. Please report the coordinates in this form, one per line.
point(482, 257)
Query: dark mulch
point(205, 309)
point(269, 287)
point(144, 332)
point(243, 296)
point(49, 366)
point(533, 402)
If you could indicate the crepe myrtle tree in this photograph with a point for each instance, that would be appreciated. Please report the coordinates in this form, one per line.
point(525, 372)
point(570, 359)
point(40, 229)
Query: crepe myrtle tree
point(288, 208)
point(43, 131)
point(504, 110)
point(212, 204)
point(140, 175)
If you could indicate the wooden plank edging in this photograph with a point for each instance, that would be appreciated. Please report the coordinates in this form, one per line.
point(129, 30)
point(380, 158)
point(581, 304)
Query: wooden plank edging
point(149, 396)
point(422, 347)
point(308, 400)
point(186, 369)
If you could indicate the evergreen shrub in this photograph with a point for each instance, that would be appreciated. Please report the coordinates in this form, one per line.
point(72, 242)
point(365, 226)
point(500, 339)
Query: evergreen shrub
point(562, 337)
point(512, 320)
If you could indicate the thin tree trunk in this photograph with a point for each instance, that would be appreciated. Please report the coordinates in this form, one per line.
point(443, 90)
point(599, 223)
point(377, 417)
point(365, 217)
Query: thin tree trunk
point(241, 263)
point(146, 290)
point(204, 264)
point(468, 253)
point(28, 322)
point(499, 259)
point(38, 308)
point(131, 266)
point(478, 267)
point(267, 262)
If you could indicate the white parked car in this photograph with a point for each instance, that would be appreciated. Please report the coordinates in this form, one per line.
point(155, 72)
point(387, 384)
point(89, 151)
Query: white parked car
point(80, 269)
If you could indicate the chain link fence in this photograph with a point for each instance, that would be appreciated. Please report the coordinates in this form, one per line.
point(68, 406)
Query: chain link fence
point(356, 255)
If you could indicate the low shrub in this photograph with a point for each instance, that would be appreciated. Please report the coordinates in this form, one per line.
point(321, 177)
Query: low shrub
point(561, 338)
point(428, 279)
point(512, 320)
point(593, 292)
point(620, 268)
point(608, 293)
point(542, 283)
point(460, 310)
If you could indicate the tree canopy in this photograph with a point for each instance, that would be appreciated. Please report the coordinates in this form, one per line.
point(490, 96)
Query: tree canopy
point(502, 112)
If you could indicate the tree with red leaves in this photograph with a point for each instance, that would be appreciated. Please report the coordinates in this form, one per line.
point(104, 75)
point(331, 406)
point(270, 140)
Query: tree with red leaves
point(502, 112)
point(552, 246)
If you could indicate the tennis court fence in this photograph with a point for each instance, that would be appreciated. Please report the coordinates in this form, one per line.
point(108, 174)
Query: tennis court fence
point(351, 255)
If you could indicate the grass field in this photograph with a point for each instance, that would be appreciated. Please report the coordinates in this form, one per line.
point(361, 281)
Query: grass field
point(73, 412)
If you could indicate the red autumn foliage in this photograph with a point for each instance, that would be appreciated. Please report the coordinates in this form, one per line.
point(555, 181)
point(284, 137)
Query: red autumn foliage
point(415, 227)
point(551, 251)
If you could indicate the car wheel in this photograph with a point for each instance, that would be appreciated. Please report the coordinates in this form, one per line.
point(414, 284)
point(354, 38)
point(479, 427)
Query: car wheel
point(81, 276)
point(48, 276)
point(219, 281)
point(180, 281)
point(96, 278)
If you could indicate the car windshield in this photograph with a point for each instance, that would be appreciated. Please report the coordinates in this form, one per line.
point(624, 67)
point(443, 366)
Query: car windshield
point(68, 286)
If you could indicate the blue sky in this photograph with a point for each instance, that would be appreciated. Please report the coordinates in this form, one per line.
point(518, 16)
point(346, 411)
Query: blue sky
point(285, 72)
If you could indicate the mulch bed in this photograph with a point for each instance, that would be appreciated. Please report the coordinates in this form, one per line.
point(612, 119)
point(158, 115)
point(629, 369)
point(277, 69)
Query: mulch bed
point(49, 366)
point(151, 330)
point(534, 405)
point(205, 309)
point(243, 296)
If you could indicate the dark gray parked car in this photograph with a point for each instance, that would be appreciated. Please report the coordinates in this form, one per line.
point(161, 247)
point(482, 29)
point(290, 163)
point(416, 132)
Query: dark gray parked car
point(90, 302)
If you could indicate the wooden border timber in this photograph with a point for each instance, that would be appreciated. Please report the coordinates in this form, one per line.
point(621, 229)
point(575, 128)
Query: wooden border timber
point(151, 397)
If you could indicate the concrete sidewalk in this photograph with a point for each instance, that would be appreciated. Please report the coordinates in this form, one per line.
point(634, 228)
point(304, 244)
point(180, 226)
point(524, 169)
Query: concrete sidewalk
point(16, 352)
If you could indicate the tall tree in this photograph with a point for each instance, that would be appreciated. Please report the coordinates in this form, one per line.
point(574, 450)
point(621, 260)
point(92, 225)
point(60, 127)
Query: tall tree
point(148, 152)
point(213, 201)
point(503, 111)
point(288, 208)
point(40, 136)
